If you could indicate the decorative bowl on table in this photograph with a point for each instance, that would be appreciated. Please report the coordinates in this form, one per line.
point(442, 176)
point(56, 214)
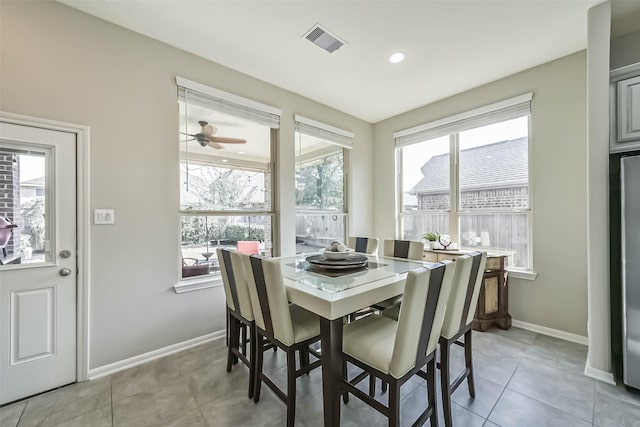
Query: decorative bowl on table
point(336, 254)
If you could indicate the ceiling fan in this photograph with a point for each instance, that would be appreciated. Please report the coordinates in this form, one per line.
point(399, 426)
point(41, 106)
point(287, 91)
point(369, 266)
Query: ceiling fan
point(205, 137)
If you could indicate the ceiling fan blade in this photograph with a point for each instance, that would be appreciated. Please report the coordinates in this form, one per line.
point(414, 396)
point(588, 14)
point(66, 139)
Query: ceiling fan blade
point(209, 130)
point(188, 134)
point(227, 140)
point(213, 144)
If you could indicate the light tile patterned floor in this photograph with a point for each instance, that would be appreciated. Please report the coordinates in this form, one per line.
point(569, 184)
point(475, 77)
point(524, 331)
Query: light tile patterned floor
point(522, 379)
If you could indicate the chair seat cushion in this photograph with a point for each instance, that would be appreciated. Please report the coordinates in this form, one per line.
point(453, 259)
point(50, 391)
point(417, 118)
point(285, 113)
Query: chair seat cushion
point(370, 340)
point(305, 324)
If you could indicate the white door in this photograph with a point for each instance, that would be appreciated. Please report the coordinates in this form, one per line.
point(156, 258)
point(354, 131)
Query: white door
point(38, 264)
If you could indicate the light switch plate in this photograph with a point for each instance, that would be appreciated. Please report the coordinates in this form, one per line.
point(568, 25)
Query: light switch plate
point(103, 216)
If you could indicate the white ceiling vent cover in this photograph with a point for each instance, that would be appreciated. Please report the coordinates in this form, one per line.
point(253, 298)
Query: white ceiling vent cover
point(323, 38)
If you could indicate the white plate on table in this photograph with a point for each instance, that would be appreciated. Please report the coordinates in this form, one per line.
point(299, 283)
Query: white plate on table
point(337, 255)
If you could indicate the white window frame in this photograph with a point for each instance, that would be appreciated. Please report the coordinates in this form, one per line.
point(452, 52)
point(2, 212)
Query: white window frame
point(497, 112)
point(248, 109)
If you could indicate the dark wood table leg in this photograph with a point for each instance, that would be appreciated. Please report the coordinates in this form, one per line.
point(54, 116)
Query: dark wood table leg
point(331, 341)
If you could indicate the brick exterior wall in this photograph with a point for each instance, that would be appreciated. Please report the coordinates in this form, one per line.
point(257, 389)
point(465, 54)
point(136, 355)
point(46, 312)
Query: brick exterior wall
point(10, 195)
point(509, 197)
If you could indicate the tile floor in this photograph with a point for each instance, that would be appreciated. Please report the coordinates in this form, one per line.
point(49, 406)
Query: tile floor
point(522, 379)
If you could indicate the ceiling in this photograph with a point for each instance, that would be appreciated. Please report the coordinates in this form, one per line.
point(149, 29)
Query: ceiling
point(450, 46)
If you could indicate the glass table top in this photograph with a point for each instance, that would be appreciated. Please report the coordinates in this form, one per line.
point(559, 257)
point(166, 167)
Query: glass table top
point(332, 281)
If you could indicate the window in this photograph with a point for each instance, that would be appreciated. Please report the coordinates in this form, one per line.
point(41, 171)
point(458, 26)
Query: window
point(321, 157)
point(226, 178)
point(468, 176)
point(24, 223)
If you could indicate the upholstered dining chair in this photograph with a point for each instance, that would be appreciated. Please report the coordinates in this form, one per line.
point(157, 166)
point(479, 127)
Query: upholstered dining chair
point(369, 246)
point(395, 351)
point(239, 313)
point(287, 326)
point(409, 249)
point(458, 320)
point(365, 245)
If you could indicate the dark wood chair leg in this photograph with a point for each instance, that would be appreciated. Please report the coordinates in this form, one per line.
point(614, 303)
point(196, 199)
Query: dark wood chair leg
point(304, 358)
point(291, 388)
point(345, 395)
point(227, 327)
point(431, 391)
point(259, 357)
point(233, 338)
point(372, 386)
point(243, 339)
point(468, 358)
point(253, 348)
point(445, 382)
point(394, 403)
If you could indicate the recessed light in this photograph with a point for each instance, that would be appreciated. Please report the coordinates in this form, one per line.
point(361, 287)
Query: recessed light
point(394, 58)
point(224, 160)
point(240, 152)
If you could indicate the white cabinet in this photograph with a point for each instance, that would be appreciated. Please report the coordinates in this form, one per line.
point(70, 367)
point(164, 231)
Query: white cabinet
point(629, 109)
point(625, 103)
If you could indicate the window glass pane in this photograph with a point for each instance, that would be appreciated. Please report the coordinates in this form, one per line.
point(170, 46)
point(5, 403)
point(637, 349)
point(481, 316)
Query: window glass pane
point(223, 174)
point(425, 175)
point(415, 225)
point(494, 166)
point(506, 234)
point(23, 207)
point(319, 175)
point(213, 187)
point(315, 232)
point(202, 235)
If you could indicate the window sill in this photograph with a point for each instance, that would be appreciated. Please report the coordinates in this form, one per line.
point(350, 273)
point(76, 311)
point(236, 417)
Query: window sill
point(197, 284)
point(521, 274)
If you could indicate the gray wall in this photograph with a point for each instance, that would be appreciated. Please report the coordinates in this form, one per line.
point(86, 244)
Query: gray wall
point(58, 63)
point(558, 297)
point(625, 50)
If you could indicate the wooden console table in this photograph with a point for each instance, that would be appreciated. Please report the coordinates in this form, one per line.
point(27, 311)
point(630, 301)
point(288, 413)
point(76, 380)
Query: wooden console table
point(493, 301)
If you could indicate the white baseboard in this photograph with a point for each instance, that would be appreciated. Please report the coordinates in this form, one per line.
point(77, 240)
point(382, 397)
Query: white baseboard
point(599, 374)
point(121, 365)
point(556, 333)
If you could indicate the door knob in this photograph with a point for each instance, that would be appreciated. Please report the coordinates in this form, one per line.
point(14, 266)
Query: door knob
point(65, 271)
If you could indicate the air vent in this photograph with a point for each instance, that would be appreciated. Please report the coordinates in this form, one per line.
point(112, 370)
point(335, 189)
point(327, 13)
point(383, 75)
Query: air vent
point(321, 37)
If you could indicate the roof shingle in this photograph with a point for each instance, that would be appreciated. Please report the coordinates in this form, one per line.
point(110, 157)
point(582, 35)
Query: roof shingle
point(503, 163)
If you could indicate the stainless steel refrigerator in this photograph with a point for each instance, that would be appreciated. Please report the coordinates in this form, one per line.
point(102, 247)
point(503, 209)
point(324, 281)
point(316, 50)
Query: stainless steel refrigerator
point(630, 251)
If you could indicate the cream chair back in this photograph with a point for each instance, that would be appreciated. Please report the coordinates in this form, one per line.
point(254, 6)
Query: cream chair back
point(463, 299)
point(408, 249)
point(232, 299)
point(253, 291)
point(441, 307)
point(477, 275)
point(235, 284)
point(365, 245)
point(272, 297)
point(425, 295)
point(242, 288)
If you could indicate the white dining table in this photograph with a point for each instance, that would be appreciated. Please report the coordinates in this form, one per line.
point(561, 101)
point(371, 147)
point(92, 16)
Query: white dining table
point(332, 298)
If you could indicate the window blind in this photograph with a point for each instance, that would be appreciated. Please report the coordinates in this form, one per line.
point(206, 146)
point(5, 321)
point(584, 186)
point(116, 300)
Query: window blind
point(228, 103)
point(334, 135)
point(503, 110)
